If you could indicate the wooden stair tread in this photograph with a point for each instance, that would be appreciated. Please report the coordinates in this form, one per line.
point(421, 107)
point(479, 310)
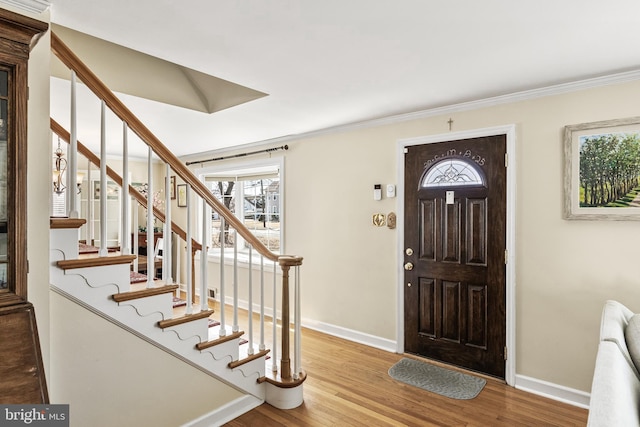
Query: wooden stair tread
point(248, 359)
point(147, 292)
point(184, 319)
point(57, 223)
point(275, 379)
point(206, 344)
point(68, 264)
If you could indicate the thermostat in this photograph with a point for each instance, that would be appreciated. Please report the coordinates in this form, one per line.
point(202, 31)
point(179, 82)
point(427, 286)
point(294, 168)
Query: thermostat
point(391, 190)
point(377, 192)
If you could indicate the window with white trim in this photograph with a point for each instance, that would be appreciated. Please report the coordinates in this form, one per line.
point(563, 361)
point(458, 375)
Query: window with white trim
point(253, 193)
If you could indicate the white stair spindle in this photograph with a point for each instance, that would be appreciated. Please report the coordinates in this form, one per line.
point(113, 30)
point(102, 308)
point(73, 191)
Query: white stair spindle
point(262, 345)
point(90, 199)
point(126, 200)
point(250, 309)
point(103, 181)
point(178, 272)
point(206, 218)
point(166, 229)
point(189, 254)
point(151, 266)
point(235, 327)
point(72, 155)
point(223, 329)
point(134, 226)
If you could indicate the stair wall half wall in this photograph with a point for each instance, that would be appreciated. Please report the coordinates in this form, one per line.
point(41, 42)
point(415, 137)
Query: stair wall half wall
point(110, 377)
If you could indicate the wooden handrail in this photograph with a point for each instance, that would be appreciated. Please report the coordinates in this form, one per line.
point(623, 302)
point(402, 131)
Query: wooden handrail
point(72, 62)
point(82, 149)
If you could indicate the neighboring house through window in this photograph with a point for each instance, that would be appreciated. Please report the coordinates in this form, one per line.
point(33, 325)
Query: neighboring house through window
point(253, 193)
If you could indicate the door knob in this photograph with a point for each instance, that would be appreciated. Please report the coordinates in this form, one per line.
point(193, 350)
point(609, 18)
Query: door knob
point(408, 266)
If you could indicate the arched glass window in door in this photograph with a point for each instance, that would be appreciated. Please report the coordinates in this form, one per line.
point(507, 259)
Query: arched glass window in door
point(452, 172)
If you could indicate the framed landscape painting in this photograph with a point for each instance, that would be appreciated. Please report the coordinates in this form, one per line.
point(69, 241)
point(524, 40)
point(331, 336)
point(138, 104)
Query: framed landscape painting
point(602, 170)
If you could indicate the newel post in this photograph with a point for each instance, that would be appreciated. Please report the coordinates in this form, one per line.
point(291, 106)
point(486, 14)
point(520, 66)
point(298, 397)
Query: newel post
point(286, 262)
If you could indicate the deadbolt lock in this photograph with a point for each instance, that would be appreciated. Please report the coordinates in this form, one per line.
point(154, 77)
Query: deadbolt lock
point(408, 266)
point(409, 251)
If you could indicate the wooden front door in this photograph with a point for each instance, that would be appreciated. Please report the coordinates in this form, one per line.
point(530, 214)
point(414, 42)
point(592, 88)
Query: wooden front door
point(455, 243)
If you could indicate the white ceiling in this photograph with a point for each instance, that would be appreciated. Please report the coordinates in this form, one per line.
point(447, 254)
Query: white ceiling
point(334, 62)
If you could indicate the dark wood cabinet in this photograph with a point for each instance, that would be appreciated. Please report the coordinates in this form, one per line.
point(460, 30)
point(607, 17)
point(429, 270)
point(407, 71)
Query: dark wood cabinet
point(142, 253)
point(22, 378)
point(16, 35)
point(142, 241)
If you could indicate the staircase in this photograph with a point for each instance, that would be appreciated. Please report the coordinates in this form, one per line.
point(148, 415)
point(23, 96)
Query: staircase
point(101, 283)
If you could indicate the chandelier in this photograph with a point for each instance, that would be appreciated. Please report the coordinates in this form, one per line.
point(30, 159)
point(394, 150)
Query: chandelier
point(58, 171)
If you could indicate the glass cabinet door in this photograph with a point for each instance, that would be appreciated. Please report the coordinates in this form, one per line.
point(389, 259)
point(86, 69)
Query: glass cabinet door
point(4, 101)
point(13, 175)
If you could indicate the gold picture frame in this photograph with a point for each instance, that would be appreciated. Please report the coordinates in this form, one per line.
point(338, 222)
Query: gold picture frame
point(172, 187)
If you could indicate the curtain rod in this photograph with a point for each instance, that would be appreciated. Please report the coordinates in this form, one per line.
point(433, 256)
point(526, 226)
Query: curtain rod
point(268, 150)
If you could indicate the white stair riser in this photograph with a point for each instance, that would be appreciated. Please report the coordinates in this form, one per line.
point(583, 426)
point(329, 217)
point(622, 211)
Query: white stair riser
point(195, 328)
point(77, 286)
point(65, 240)
point(226, 349)
point(162, 304)
point(256, 365)
point(99, 276)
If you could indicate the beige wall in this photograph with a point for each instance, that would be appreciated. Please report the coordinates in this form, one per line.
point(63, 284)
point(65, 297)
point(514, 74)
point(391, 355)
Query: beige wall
point(110, 377)
point(39, 186)
point(565, 270)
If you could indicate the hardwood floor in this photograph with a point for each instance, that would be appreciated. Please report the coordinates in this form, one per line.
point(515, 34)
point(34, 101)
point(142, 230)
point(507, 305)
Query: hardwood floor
point(348, 385)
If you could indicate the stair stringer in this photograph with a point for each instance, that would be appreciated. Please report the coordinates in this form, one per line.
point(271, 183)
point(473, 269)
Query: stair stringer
point(92, 287)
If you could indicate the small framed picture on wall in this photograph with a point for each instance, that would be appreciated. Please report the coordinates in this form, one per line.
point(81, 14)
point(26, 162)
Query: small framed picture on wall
point(172, 187)
point(182, 195)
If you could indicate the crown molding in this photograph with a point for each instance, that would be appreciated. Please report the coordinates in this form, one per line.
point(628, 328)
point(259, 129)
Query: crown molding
point(558, 89)
point(33, 6)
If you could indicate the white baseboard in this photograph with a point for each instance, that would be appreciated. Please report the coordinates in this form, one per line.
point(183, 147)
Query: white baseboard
point(553, 391)
point(351, 335)
point(226, 413)
point(329, 329)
